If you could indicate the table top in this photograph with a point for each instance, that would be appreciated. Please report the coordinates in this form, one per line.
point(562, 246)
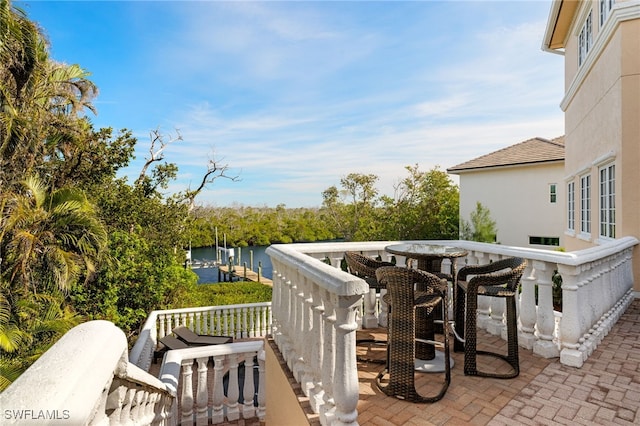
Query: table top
point(423, 250)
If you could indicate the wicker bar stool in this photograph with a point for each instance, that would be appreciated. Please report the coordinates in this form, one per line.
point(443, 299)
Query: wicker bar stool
point(365, 267)
point(407, 291)
point(497, 279)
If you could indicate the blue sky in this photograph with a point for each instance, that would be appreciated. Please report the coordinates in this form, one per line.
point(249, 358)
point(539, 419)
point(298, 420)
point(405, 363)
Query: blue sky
point(295, 95)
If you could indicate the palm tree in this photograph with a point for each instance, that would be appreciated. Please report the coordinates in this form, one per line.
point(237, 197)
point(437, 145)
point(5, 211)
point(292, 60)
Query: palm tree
point(28, 329)
point(49, 239)
point(39, 98)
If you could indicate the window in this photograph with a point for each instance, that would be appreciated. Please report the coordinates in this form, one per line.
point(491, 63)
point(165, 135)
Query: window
point(585, 204)
point(608, 201)
point(585, 40)
point(553, 196)
point(605, 9)
point(571, 206)
point(545, 241)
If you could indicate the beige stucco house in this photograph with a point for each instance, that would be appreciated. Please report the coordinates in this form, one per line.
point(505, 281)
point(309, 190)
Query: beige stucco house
point(523, 187)
point(600, 41)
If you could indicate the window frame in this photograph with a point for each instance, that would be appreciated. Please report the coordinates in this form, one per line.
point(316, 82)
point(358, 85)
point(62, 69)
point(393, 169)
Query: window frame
point(607, 196)
point(585, 204)
point(571, 206)
point(605, 10)
point(553, 193)
point(585, 38)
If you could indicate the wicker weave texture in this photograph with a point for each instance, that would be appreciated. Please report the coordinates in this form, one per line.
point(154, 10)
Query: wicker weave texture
point(409, 290)
point(365, 267)
point(496, 279)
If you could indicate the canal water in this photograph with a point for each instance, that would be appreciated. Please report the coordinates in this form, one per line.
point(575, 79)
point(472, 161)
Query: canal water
point(208, 254)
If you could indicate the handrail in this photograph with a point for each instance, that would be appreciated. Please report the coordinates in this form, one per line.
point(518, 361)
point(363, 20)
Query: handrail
point(85, 378)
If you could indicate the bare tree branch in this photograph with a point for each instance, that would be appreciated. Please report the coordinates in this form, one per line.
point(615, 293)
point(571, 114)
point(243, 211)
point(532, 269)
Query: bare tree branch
point(215, 170)
point(156, 150)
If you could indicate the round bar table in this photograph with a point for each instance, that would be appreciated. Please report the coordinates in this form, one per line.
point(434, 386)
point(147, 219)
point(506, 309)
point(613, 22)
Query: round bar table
point(429, 257)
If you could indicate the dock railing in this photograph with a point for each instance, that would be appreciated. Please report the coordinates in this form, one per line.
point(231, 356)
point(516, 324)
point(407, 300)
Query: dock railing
point(317, 309)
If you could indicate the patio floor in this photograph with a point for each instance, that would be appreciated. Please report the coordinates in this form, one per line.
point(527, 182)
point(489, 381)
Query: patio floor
point(605, 391)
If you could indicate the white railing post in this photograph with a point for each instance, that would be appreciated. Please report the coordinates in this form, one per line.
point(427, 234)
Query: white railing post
point(527, 308)
point(570, 324)
point(346, 373)
point(233, 392)
point(186, 400)
point(217, 407)
point(248, 390)
point(328, 364)
point(309, 343)
point(317, 354)
point(544, 345)
point(202, 394)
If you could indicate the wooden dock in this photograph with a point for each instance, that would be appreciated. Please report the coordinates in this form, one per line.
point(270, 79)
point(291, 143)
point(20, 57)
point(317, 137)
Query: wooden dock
point(242, 273)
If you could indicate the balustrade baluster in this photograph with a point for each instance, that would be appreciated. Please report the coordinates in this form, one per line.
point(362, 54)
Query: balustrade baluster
point(136, 407)
point(198, 320)
point(202, 394)
point(328, 359)
point(115, 403)
point(244, 323)
point(233, 391)
point(186, 401)
point(127, 406)
point(252, 322)
point(261, 410)
point(248, 389)
point(217, 407)
point(308, 343)
point(570, 325)
point(162, 332)
point(182, 320)
point(545, 320)
point(527, 307)
point(346, 372)
point(299, 344)
point(289, 318)
point(317, 392)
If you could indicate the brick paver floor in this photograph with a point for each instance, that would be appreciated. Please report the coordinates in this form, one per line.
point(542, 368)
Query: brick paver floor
point(605, 391)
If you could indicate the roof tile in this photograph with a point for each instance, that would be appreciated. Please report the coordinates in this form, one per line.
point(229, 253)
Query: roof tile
point(536, 150)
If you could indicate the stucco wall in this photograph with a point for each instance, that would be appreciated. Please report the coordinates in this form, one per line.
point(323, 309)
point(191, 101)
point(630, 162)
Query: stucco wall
point(602, 120)
point(518, 199)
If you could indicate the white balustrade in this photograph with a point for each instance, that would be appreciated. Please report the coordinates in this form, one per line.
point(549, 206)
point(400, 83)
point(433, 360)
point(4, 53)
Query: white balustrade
point(85, 378)
point(236, 362)
point(239, 321)
point(315, 306)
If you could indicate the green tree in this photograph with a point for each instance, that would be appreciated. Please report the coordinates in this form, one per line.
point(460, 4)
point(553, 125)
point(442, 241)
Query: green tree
point(40, 100)
point(425, 207)
point(351, 210)
point(480, 227)
point(49, 239)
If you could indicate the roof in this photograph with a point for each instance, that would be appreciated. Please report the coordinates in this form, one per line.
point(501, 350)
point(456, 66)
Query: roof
point(559, 24)
point(532, 151)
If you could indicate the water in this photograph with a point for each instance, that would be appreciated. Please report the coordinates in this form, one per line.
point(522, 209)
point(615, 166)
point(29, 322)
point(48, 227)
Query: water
point(210, 275)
